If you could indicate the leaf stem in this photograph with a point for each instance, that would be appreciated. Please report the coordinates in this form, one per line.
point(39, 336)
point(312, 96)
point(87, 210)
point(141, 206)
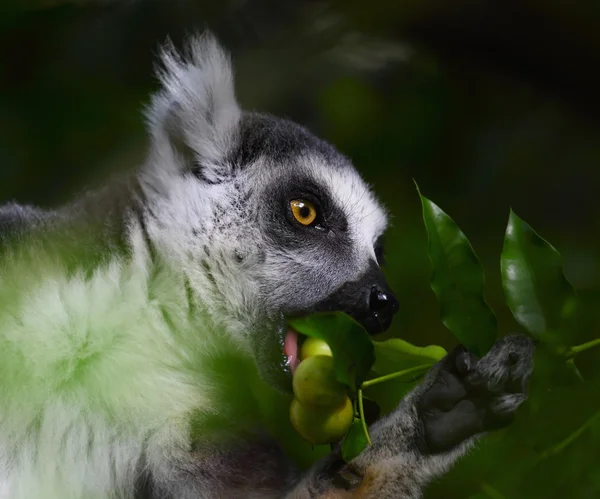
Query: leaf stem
point(361, 412)
point(418, 369)
point(571, 362)
point(571, 438)
point(584, 346)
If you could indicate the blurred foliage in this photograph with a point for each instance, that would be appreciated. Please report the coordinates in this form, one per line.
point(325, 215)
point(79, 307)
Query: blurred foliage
point(488, 105)
point(546, 306)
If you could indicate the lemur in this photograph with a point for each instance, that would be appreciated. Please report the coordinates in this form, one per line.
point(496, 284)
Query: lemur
point(122, 312)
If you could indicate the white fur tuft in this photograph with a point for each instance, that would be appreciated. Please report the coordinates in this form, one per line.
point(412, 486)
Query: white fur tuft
point(197, 104)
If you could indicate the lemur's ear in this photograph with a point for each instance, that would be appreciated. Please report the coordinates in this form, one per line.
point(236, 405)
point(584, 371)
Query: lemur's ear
point(194, 117)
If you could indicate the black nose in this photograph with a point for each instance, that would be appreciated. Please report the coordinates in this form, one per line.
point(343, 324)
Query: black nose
point(382, 307)
point(381, 300)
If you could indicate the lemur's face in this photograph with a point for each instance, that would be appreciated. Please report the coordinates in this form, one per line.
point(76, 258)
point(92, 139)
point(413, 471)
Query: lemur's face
point(321, 237)
point(267, 221)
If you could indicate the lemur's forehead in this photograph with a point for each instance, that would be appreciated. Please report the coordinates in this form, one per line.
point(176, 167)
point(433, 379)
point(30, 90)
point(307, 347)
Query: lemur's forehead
point(285, 151)
point(280, 141)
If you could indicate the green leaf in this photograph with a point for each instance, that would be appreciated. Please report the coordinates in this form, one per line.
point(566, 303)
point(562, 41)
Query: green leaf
point(354, 442)
point(537, 291)
point(397, 355)
point(350, 344)
point(458, 281)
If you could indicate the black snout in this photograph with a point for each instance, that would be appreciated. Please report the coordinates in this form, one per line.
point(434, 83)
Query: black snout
point(382, 306)
point(368, 300)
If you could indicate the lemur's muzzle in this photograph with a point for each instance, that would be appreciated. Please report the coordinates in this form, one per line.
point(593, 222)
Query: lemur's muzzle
point(368, 300)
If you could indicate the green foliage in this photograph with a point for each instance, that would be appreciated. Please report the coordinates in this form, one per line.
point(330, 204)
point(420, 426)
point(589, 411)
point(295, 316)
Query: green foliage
point(394, 354)
point(354, 442)
point(458, 281)
point(537, 291)
point(544, 452)
point(398, 366)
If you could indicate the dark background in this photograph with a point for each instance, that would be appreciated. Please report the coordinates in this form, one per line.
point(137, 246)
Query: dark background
point(487, 105)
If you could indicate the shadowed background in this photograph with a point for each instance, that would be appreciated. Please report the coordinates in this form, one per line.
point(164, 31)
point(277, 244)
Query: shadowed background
point(487, 105)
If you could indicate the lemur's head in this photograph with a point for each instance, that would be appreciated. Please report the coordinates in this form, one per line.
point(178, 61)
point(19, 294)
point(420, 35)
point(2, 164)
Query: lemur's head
point(266, 220)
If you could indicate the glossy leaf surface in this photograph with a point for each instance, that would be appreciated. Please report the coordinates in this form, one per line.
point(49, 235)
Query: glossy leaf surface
point(458, 281)
point(537, 291)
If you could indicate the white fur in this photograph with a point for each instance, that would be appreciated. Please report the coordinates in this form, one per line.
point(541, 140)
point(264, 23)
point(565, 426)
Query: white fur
point(366, 218)
point(199, 91)
point(82, 434)
point(69, 429)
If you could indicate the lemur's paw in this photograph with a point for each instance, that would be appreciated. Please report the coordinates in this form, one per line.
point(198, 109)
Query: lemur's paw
point(466, 395)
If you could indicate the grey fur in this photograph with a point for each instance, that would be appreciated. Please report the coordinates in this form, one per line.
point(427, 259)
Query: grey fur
point(15, 218)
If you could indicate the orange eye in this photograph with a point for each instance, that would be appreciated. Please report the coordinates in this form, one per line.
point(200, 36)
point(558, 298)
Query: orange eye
point(304, 211)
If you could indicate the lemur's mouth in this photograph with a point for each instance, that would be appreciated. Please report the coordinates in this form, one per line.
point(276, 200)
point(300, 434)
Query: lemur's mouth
point(291, 348)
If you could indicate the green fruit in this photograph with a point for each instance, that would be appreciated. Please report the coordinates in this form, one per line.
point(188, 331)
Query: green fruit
point(313, 347)
point(321, 426)
point(314, 383)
